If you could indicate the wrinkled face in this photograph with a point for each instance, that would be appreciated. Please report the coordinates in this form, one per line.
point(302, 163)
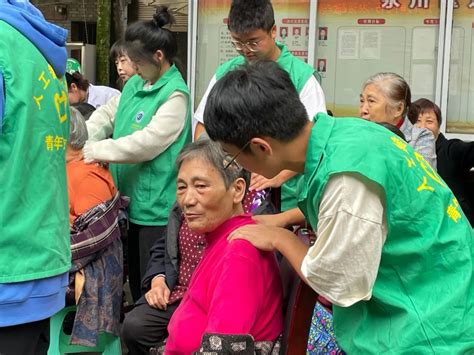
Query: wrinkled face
point(258, 44)
point(202, 195)
point(125, 67)
point(428, 120)
point(373, 105)
point(76, 96)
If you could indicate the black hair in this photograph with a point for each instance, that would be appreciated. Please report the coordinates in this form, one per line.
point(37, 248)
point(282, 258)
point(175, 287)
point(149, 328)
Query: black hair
point(85, 109)
point(249, 15)
point(144, 38)
point(393, 129)
point(421, 106)
point(256, 100)
point(77, 78)
point(117, 50)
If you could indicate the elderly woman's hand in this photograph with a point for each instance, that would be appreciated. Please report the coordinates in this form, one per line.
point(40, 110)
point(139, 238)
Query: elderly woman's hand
point(159, 294)
point(261, 236)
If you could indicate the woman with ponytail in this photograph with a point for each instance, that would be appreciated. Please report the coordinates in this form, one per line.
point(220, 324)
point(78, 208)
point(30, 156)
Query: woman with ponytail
point(151, 125)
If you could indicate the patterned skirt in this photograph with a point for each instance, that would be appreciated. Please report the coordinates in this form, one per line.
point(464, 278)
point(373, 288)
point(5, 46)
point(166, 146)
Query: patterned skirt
point(321, 338)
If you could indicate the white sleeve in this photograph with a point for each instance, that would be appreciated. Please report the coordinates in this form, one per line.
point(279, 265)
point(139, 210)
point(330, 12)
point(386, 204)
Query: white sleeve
point(144, 145)
point(312, 97)
point(343, 263)
point(199, 114)
point(100, 124)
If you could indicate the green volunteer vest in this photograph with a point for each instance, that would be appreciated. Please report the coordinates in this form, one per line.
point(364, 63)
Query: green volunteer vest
point(34, 212)
point(423, 297)
point(299, 72)
point(150, 185)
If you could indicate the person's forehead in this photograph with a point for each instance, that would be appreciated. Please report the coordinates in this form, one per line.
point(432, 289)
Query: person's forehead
point(206, 168)
point(428, 114)
point(372, 90)
point(255, 34)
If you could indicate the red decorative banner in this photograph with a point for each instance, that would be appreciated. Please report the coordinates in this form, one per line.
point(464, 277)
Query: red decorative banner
point(431, 21)
point(300, 53)
point(371, 21)
point(295, 21)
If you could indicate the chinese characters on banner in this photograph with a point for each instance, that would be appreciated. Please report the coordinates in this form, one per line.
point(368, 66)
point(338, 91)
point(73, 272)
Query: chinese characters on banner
point(52, 142)
point(413, 4)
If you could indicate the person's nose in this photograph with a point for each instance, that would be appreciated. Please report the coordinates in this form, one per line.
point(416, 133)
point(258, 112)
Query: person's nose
point(420, 124)
point(363, 108)
point(189, 198)
point(246, 51)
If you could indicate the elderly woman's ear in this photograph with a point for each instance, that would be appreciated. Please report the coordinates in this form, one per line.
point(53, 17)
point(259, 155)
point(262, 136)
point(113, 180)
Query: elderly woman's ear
point(398, 109)
point(239, 188)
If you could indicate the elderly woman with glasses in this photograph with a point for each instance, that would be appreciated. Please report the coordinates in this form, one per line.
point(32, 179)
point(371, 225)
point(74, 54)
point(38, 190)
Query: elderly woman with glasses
point(236, 289)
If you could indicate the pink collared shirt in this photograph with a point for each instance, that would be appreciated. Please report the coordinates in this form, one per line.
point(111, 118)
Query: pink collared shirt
point(236, 289)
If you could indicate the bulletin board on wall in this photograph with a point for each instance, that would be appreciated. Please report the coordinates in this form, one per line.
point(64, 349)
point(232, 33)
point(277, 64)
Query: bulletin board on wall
point(362, 38)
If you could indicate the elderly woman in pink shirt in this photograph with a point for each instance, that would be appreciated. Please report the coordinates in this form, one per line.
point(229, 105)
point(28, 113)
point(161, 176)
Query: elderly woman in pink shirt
point(236, 288)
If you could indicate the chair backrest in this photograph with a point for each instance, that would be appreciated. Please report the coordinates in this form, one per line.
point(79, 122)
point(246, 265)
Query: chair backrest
point(298, 300)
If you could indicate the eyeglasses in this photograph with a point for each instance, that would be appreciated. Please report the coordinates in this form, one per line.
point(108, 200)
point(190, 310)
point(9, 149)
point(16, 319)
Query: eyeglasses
point(252, 46)
point(229, 159)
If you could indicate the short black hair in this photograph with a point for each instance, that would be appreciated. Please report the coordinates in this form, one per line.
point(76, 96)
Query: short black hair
point(255, 100)
point(249, 15)
point(85, 109)
point(77, 78)
point(117, 50)
point(421, 106)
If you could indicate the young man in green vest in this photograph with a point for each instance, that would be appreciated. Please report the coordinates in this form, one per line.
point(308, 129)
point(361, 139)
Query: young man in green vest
point(253, 33)
point(394, 252)
point(34, 129)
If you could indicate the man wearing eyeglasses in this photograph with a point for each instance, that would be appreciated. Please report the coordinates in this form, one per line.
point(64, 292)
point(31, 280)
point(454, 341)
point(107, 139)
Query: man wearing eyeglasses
point(253, 31)
point(394, 252)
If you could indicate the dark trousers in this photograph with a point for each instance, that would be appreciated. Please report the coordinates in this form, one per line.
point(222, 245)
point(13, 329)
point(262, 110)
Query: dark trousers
point(145, 327)
point(25, 339)
point(140, 241)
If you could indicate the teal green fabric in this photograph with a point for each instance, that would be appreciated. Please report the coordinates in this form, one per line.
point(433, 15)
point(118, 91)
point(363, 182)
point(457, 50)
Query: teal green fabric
point(34, 212)
point(423, 297)
point(150, 185)
point(299, 72)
